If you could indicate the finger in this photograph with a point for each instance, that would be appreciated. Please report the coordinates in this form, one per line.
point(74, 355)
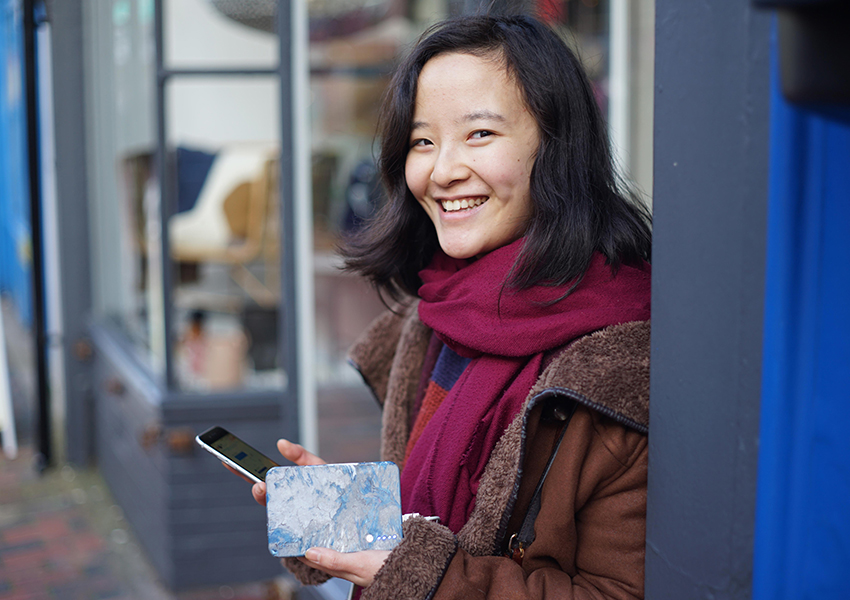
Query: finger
point(259, 493)
point(297, 454)
point(327, 561)
point(357, 567)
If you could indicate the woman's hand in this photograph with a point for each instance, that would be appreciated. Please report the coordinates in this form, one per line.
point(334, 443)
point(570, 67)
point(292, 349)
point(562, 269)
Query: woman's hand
point(292, 452)
point(357, 567)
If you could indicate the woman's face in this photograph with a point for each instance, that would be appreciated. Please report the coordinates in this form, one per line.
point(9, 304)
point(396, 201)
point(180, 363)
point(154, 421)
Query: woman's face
point(472, 147)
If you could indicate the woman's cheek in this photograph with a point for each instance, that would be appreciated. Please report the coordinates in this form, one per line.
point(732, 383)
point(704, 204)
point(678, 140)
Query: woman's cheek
point(416, 189)
point(410, 170)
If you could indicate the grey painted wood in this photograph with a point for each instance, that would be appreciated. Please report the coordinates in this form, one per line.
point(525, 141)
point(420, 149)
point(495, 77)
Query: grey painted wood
point(72, 207)
point(710, 198)
point(192, 573)
point(222, 409)
point(134, 480)
point(198, 523)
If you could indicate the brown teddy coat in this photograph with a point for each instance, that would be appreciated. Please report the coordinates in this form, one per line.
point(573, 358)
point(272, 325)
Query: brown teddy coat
point(591, 528)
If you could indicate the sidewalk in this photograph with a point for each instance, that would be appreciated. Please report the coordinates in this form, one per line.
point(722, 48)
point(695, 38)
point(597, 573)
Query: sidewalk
point(63, 537)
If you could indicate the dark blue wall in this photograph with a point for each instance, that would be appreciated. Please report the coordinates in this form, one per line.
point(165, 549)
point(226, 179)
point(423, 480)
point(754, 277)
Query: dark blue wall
point(802, 545)
point(15, 233)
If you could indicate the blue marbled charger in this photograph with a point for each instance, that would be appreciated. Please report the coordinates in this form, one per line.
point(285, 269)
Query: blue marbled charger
point(347, 507)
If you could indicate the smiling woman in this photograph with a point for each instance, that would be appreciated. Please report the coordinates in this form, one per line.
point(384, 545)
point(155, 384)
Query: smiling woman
point(472, 150)
point(578, 207)
point(513, 369)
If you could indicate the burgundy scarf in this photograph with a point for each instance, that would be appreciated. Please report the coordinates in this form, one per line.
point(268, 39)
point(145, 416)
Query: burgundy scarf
point(505, 332)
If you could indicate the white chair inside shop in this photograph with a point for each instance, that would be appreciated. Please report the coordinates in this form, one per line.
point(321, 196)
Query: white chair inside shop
point(233, 219)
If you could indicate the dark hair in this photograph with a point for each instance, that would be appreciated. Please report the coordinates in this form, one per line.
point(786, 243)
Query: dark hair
point(578, 204)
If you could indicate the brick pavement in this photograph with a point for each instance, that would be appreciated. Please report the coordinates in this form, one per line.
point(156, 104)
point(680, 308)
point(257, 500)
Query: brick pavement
point(62, 537)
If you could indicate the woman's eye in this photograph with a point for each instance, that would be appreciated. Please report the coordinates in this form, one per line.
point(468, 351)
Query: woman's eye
point(420, 142)
point(481, 134)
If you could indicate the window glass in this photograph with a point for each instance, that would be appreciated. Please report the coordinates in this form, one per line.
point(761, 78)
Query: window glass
point(615, 40)
point(123, 205)
point(223, 139)
point(222, 136)
point(222, 153)
point(220, 34)
point(221, 159)
point(354, 46)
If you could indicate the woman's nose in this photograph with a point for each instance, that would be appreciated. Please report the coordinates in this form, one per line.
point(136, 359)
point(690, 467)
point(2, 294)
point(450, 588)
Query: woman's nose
point(449, 167)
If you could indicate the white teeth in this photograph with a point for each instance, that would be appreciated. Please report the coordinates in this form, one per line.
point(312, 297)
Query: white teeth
point(453, 205)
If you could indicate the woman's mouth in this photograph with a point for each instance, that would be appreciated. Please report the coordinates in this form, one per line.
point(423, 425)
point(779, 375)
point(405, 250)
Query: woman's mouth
point(464, 204)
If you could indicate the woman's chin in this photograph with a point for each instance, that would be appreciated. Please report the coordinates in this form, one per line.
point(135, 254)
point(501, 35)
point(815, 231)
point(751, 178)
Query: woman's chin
point(461, 252)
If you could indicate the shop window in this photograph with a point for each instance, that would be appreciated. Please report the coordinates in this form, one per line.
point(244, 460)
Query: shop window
point(224, 244)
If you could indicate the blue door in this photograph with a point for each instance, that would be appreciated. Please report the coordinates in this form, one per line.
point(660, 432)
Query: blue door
point(802, 545)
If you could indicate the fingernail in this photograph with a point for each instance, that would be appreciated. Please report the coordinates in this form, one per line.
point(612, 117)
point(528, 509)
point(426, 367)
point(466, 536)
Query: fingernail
point(312, 555)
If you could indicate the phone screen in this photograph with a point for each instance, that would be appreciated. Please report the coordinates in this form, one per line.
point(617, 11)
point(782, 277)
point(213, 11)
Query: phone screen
point(230, 446)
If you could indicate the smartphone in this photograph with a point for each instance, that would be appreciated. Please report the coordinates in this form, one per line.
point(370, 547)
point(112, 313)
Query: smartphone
point(232, 451)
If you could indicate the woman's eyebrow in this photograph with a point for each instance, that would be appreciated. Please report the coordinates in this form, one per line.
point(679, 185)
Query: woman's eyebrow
point(478, 115)
point(483, 114)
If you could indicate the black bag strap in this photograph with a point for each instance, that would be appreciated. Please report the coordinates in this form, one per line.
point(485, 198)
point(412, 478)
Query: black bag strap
point(525, 536)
